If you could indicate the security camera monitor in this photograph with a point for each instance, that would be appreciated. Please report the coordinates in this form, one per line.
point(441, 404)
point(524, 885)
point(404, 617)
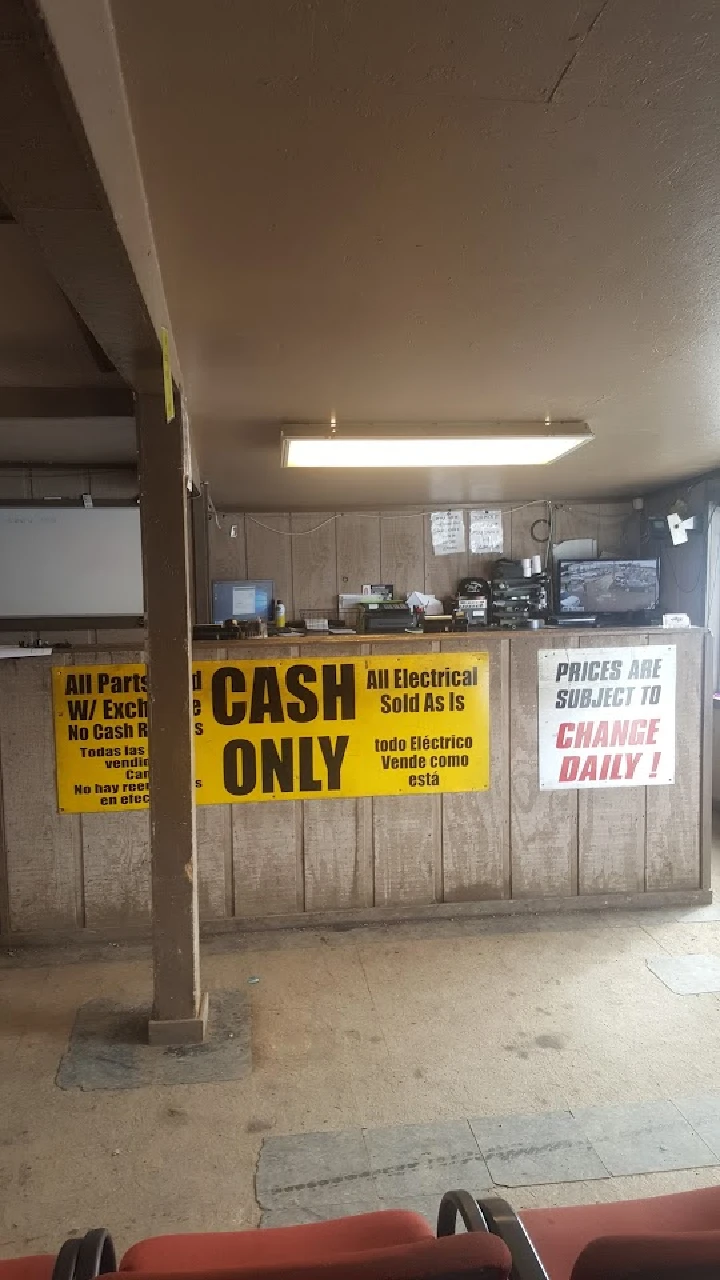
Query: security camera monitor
point(242, 601)
point(608, 586)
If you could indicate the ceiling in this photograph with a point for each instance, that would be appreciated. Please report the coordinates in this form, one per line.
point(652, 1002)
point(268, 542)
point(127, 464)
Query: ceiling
point(418, 210)
point(43, 344)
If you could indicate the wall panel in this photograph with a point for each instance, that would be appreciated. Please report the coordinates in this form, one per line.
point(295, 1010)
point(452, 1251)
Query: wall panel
point(476, 825)
point(611, 821)
point(269, 553)
point(314, 561)
point(543, 824)
point(43, 850)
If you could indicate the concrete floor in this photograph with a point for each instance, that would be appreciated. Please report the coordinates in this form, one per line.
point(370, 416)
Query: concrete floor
point(369, 1027)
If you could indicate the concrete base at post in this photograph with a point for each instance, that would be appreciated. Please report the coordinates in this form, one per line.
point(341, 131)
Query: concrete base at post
point(169, 1031)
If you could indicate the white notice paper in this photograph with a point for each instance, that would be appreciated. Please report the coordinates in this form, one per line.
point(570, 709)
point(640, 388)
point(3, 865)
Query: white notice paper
point(486, 532)
point(448, 532)
point(606, 717)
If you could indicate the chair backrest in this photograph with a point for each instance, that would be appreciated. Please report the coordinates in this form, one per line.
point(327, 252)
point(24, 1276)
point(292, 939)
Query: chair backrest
point(465, 1257)
point(683, 1255)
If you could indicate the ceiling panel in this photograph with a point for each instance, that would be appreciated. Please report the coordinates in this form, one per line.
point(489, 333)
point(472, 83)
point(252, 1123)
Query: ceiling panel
point(435, 210)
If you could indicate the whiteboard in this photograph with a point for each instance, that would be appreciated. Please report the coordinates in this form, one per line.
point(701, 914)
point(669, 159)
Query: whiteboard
point(70, 562)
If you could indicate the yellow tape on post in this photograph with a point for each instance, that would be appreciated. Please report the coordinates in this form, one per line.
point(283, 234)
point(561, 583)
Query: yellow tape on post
point(167, 375)
point(297, 729)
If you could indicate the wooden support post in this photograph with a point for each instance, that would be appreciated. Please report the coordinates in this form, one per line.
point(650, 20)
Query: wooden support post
point(179, 1013)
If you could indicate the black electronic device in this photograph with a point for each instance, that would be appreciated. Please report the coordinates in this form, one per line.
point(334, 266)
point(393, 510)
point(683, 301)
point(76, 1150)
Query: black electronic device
point(569, 620)
point(473, 610)
point(433, 623)
point(519, 599)
point(228, 630)
point(471, 606)
point(614, 590)
point(242, 601)
point(384, 616)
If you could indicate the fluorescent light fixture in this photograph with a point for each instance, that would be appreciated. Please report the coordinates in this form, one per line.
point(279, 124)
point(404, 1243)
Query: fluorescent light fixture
point(524, 444)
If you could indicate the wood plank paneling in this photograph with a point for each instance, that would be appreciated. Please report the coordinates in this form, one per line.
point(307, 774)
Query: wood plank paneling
point(476, 824)
point(42, 846)
point(611, 820)
point(358, 550)
point(338, 865)
point(402, 551)
point(674, 812)
point(337, 854)
point(269, 553)
point(116, 869)
point(618, 529)
point(115, 846)
point(543, 824)
point(59, 484)
point(314, 561)
point(214, 852)
point(575, 520)
point(267, 838)
point(114, 484)
point(406, 834)
point(267, 858)
point(14, 485)
point(228, 558)
point(442, 573)
point(521, 539)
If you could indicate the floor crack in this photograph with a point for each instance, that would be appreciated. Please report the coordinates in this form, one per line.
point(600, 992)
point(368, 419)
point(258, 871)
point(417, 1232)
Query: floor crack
point(579, 44)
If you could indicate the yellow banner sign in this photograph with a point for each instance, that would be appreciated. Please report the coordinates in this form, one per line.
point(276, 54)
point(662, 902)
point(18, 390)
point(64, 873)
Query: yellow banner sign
point(297, 729)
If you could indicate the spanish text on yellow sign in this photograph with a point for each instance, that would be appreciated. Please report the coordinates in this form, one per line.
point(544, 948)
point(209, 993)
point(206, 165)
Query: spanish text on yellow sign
point(301, 729)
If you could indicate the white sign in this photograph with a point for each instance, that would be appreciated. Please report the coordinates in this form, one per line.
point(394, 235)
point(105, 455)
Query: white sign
point(448, 532)
point(486, 532)
point(606, 717)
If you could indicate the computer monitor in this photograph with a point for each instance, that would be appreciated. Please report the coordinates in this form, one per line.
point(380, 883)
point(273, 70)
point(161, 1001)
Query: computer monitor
point(608, 586)
point(242, 601)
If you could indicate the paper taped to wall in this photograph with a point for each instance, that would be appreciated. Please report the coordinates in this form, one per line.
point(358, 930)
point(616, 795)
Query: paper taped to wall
point(448, 532)
point(486, 532)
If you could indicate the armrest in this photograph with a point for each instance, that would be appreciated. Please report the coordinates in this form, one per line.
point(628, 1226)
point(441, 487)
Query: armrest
point(503, 1221)
point(459, 1202)
point(86, 1259)
point(96, 1255)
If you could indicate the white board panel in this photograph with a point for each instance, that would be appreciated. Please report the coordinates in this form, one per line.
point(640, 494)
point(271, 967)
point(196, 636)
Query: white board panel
point(70, 562)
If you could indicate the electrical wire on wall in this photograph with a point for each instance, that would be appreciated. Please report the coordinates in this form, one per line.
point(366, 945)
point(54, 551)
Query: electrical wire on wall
point(373, 515)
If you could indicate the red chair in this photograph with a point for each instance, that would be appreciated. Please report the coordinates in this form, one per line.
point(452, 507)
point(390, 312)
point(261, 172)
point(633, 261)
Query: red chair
point(387, 1245)
point(80, 1258)
point(674, 1237)
point(39, 1267)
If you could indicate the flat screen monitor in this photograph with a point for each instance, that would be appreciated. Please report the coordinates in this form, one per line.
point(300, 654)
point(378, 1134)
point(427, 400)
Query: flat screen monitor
point(608, 586)
point(242, 601)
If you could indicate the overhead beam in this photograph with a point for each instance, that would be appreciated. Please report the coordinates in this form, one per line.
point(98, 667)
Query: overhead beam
point(66, 402)
point(51, 187)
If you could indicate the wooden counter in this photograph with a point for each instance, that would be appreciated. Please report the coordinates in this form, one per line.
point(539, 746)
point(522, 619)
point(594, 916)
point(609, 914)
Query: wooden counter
point(513, 847)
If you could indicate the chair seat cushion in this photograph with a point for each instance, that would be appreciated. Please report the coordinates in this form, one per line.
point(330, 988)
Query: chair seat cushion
point(472, 1256)
point(560, 1235)
point(689, 1255)
point(316, 1241)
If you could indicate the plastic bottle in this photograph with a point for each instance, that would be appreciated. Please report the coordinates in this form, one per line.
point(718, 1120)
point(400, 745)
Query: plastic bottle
point(279, 614)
